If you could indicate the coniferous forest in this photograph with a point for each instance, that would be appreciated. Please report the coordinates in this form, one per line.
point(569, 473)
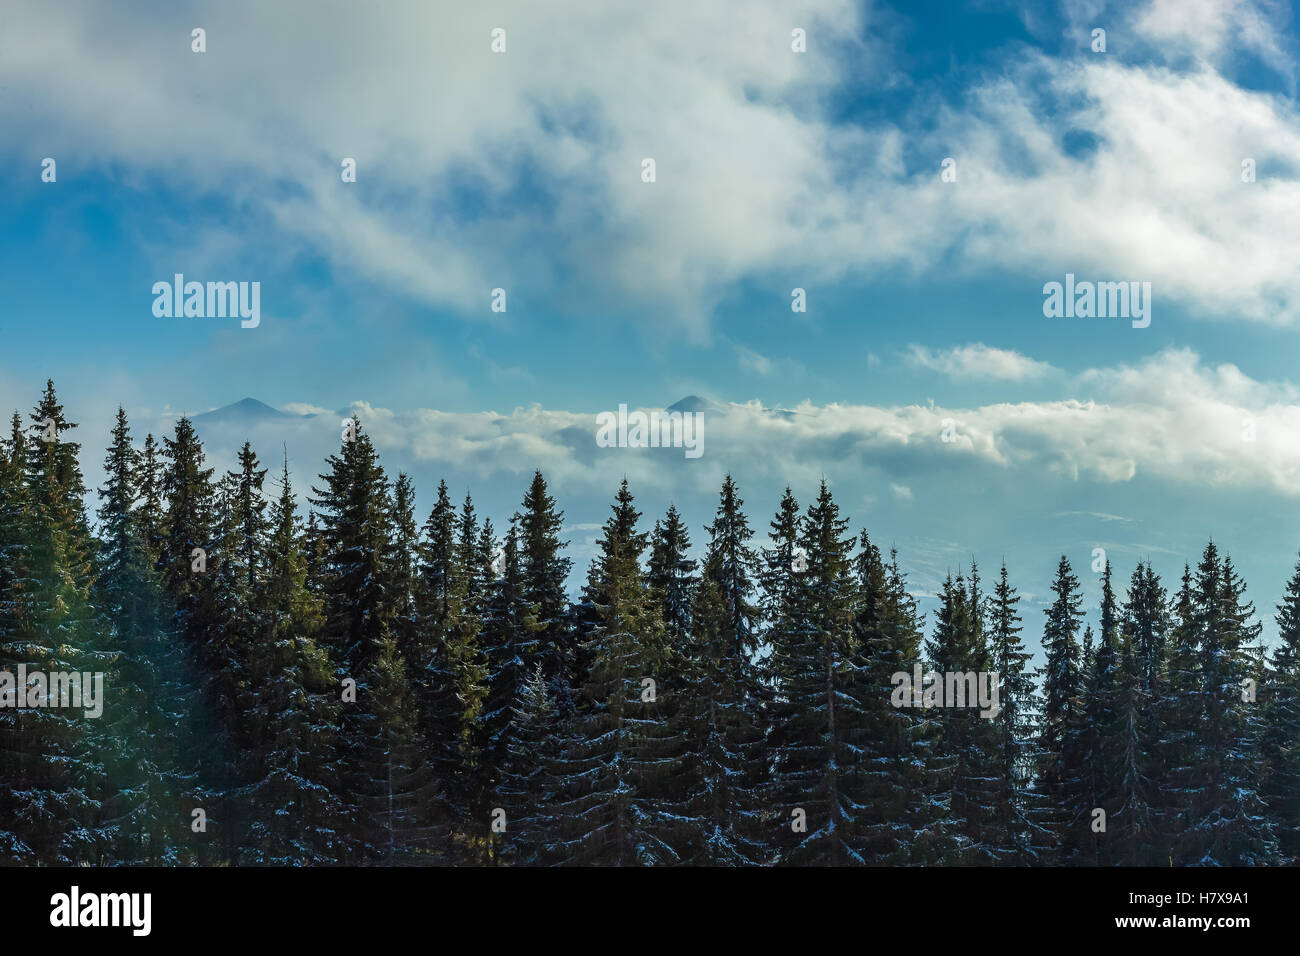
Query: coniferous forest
point(348, 682)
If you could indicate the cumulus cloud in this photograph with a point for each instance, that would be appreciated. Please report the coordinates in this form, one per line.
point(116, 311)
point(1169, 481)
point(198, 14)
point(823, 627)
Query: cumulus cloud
point(1170, 418)
point(522, 170)
point(305, 408)
point(1215, 30)
point(979, 362)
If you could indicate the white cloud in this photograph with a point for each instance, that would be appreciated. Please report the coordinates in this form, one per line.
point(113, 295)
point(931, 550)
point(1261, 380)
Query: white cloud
point(1169, 418)
point(305, 408)
point(1214, 30)
point(752, 175)
point(979, 362)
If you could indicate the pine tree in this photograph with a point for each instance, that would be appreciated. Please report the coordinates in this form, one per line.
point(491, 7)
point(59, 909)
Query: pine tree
point(670, 575)
point(966, 739)
point(393, 782)
point(891, 823)
point(377, 734)
point(1019, 837)
point(1058, 743)
point(403, 568)
point(295, 815)
point(609, 774)
point(527, 789)
point(353, 511)
point(1144, 625)
point(511, 652)
point(1227, 825)
point(139, 735)
point(1102, 739)
point(149, 514)
point(1280, 748)
point(188, 533)
point(51, 770)
point(1179, 713)
point(238, 576)
point(197, 569)
point(544, 570)
point(721, 766)
point(817, 685)
point(455, 671)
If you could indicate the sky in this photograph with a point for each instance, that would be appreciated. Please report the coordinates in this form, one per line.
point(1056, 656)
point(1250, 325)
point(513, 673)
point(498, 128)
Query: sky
point(1167, 157)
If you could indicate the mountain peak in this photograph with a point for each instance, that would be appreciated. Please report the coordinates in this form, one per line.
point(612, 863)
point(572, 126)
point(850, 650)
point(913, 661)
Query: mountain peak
point(244, 410)
point(692, 403)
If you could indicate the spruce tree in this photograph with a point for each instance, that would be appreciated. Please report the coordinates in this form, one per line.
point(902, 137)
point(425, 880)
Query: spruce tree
point(1102, 738)
point(1179, 713)
point(140, 739)
point(455, 672)
point(511, 652)
point(1059, 751)
point(1227, 824)
point(1135, 837)
point(609, 773)
point(1280, 748)
point(670, 575)
point(967, 741)
point(721, 776)
point(526, 788)
point(817, 687)
point(544, 570)
point(1019, 836)
point(888, 772)
point(376, 735)
point(352, 507)
point(295, 817)
point(51, 768)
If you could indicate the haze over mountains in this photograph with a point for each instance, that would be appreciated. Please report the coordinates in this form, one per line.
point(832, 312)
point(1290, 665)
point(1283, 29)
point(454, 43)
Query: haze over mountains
point(940, 504)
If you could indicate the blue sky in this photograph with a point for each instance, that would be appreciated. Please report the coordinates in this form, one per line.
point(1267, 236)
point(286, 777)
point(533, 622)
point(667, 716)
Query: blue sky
point(774, 170)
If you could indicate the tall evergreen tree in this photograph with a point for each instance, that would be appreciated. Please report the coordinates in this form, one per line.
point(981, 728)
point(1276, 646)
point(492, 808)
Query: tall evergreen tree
point(1281, 744)
point(353, 511)
point(670, 575)
point(526, 786)
point(1060, 753)
point(1102, 738)
point(1134, 828)
point(1019, 837)
point(381, 765)
point(722, 763)
point(818, 685)
point(295, 816)
point(139, 736)
point(456, 671)
point(51, 770)
point(544, 570)
point(891, 824)
point(1226, 823)
point(511, 652)
point(609, 773)
point(966, 739)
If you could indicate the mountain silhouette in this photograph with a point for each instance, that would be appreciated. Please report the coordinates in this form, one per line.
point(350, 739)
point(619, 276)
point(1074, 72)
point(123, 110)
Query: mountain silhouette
point(246, 411)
